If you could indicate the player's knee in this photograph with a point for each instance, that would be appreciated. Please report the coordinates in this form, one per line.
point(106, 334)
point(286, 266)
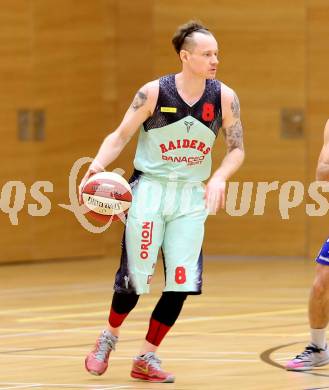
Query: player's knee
point(124, 303)
point(321, 284)
point(169, 307)
point(174, 296)
point(318, 288)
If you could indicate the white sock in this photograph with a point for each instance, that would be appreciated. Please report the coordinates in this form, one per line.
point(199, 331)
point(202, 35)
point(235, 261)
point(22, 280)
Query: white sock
point(318, 337)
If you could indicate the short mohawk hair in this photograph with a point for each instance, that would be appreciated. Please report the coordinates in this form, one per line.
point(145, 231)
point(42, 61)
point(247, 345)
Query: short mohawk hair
point(185, 30)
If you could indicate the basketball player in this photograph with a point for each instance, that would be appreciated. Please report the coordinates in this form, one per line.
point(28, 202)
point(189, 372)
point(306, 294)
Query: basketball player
point(316, 354)
point(179, 116)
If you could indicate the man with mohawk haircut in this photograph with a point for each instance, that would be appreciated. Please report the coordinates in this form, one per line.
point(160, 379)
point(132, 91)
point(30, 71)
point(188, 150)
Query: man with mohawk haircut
point(179, 117)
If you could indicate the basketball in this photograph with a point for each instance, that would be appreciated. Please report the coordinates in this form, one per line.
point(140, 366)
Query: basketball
point(106, 195)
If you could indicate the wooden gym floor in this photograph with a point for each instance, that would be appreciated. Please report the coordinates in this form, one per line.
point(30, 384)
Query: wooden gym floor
point(251, 317)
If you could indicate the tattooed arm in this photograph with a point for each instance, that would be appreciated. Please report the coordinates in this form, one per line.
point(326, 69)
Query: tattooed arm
point(140, 99)
point(233, 134)
point(140, 109)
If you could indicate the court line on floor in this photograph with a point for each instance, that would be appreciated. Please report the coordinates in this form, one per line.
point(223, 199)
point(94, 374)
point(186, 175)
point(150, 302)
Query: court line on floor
point(67, 385)
point(127, 350)
point(58, 286)
point(18, 387)
point(61, 316)
point(81, 306)
point(183, 320)
point(20, 329)
point(244, 315)
point(258, 334)
point(50, 331)
point(83, 314)
point(63, 357)
point(91, 330)
point(59, 292)
point(225, 333)
point(52, 308)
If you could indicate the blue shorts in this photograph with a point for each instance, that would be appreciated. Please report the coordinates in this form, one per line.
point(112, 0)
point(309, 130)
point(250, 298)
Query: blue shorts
point(323, 256)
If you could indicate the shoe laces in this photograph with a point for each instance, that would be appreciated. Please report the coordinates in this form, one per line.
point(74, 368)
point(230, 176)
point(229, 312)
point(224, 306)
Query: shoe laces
point(308, 351)
point(152, 360)
point(105, 344)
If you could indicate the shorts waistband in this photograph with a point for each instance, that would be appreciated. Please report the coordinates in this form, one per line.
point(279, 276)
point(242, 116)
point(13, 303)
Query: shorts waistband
point(166, 180)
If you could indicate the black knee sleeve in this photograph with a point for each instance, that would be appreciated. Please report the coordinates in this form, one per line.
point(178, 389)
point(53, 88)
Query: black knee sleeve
point(124, 303)
point(169, 306)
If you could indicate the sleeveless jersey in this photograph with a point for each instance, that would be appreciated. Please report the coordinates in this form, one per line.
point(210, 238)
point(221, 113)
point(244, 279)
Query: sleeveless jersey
point(177, 140)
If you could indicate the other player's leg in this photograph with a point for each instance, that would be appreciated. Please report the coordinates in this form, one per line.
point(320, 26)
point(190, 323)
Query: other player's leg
point(316, 354)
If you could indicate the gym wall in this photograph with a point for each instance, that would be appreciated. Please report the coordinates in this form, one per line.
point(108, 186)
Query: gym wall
point(69, 70)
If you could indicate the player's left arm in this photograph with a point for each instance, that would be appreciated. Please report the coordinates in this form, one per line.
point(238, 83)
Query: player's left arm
point(233, 134)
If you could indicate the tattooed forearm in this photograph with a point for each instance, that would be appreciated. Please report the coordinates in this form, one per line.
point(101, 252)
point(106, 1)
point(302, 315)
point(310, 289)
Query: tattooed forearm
point(139, 100)
point(235, 107)
point(234, 136)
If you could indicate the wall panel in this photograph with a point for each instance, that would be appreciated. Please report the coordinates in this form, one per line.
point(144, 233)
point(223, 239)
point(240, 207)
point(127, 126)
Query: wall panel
point(82, 62)
point(70, 67)
point(15, 94)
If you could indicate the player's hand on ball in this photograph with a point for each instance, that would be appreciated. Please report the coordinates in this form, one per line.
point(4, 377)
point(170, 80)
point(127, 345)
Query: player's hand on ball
point(215, 194)
point(94, 167)
point(88, 174)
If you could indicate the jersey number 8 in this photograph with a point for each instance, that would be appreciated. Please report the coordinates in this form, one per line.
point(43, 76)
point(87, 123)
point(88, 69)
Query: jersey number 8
point(180, 275)
point(208, 112)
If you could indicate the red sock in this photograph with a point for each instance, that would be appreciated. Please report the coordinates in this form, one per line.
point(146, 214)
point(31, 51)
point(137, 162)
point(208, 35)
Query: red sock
point(156, 332)
point(116, 319)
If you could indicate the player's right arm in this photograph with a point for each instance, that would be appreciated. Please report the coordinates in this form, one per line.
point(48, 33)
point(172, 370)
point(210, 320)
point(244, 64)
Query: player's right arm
point(322, 170)
point(140, 109)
